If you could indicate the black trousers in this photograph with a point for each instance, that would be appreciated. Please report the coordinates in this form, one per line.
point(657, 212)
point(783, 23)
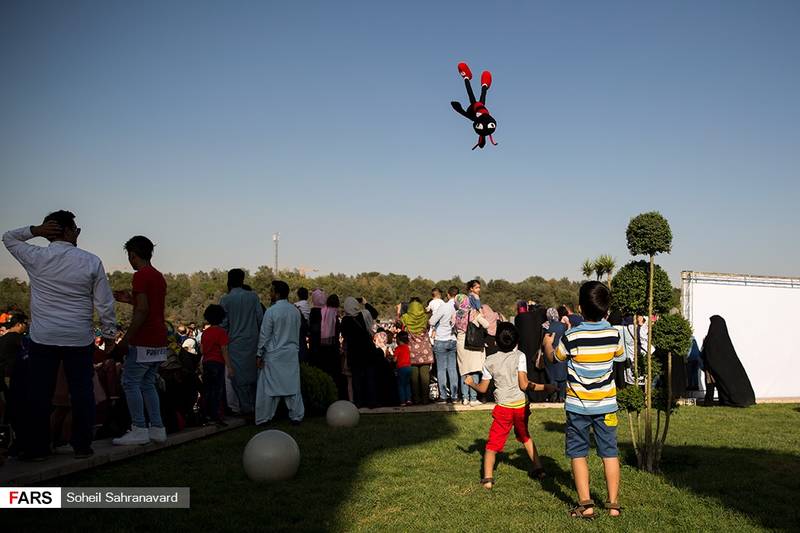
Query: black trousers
point(213, 388)
point(43, 362)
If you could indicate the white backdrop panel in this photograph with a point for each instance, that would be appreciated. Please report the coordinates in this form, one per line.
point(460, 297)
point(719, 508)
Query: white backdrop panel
point(760, 321)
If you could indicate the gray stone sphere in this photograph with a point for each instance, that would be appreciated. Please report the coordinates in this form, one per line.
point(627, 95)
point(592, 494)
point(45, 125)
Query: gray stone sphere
point(270, 456)
point(342, 414)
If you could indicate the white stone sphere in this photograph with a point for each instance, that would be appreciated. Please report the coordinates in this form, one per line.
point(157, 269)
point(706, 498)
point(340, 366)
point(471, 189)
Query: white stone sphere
point(271, 455)
point(342, 414)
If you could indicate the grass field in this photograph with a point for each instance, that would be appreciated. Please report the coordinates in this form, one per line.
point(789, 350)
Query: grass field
point(724, 469)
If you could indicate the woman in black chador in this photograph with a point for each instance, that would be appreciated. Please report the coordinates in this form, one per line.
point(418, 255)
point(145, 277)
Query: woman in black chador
point(720, 359)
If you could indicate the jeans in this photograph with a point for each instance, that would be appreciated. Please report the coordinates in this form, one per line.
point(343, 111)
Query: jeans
point(445, 352)
point(213, 386)
point(43, 366)
point(466, 392)
point(404, 384)
point(139, 384)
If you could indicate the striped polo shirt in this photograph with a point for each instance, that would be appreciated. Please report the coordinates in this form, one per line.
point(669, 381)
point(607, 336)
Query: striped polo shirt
point(590, 350)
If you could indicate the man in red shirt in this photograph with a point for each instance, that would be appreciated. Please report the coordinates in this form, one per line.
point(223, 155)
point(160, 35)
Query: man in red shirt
point(147, 345)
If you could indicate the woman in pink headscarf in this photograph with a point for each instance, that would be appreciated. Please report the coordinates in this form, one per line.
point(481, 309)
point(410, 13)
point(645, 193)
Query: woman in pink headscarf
point(492, 318)
point(323, 329)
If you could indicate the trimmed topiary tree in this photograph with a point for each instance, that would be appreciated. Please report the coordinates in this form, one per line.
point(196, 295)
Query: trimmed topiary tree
point(631, 287)
point(649, 234)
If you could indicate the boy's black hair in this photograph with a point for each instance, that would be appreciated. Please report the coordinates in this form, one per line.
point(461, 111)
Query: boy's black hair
point(471, 283)
point(452, 291)
point(415, 299)
point(235, 278)
point(332, 301)
point(214, 314)
point(281, 289)
point(141, 246)
point(302, 293)
point(437, 290)
point(562, 311)
point(402, 337)
point(594, 299)
point(506, 336)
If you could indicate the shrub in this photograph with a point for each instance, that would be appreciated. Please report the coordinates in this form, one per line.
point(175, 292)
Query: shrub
point(672, 333)
point(631, 398)
point(317, 388)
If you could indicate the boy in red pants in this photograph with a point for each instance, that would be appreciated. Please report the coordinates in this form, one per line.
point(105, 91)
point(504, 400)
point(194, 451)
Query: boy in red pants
point(508, 368)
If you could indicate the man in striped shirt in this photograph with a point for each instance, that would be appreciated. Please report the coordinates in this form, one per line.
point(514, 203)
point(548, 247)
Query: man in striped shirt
point(590, 350)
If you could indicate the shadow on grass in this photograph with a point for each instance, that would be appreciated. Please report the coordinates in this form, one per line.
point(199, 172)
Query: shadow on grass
point(557, 481)
point(760, 484)
point(558, 427)
point(333, 461)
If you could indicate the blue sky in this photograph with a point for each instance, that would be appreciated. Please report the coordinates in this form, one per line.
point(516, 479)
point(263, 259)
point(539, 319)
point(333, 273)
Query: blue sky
point(208, 126)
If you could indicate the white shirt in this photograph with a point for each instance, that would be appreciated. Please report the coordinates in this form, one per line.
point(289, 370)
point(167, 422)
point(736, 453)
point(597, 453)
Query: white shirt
point(67, 284)
point(442, 319)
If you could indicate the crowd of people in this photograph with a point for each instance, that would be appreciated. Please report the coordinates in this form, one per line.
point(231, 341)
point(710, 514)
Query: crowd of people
point(64, 379)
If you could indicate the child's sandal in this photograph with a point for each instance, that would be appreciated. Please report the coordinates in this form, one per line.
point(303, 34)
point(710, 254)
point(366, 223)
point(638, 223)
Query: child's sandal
point(486, 480)
point(614, 506)
point(579, 511)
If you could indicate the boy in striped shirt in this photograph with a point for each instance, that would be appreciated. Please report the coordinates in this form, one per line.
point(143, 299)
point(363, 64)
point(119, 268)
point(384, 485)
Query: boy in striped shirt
point(590, 350)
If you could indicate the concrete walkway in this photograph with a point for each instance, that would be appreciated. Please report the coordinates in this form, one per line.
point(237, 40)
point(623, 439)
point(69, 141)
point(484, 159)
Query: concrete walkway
point(448, 408)
point(15, 473)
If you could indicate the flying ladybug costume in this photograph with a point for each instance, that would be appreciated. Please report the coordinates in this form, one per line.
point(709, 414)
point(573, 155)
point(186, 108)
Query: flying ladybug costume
point(482, 122)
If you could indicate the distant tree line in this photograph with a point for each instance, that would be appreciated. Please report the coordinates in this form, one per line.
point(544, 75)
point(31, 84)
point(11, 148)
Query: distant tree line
point(189, 294)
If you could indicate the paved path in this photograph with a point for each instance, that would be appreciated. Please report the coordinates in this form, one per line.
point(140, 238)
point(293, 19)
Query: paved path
point(16, 473)
point(448, 408)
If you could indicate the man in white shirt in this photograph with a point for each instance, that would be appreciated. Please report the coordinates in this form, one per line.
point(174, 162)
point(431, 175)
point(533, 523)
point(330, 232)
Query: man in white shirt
point(444, 348)
point(67, 285)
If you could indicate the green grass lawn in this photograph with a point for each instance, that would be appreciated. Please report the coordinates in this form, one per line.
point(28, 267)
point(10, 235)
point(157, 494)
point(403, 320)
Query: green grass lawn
point(724, 469)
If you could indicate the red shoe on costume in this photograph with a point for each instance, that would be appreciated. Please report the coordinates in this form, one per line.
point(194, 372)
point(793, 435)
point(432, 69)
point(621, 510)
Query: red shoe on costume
point(464, 70)
point(486, 78)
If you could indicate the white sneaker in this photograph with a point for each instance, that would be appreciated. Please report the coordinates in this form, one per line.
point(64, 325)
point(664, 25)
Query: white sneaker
point(465, 402)
point(478, 402)
point(474, 403)
point(158, 435)
point(135, 437)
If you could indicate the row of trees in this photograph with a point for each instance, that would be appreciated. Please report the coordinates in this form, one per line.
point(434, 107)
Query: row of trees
point(189, 294)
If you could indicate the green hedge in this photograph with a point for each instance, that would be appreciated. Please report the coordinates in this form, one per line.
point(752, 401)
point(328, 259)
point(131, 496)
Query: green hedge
point(317, 388)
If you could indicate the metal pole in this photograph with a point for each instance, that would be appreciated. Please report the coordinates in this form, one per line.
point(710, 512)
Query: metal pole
point(275, 239)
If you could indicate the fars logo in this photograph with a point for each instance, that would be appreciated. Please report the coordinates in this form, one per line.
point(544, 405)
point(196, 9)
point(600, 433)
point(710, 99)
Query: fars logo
point(30, 497)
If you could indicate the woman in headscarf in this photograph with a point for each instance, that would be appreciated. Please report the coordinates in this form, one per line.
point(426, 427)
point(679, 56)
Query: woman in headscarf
point(470, 362)
point(415, 322)
point(360, 354)
point(324, 337)
point(720, 360)
point(492, 317)
point(529, 322)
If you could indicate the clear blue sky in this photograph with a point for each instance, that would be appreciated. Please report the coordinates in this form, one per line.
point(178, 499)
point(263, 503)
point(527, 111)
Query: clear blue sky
point(208, 126)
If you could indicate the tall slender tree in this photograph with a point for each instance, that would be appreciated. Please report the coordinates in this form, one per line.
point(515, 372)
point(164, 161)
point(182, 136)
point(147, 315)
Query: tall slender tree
point(649, 234)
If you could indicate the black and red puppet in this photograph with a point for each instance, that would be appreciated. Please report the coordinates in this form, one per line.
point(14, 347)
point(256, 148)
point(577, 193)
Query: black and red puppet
point(482, 122)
